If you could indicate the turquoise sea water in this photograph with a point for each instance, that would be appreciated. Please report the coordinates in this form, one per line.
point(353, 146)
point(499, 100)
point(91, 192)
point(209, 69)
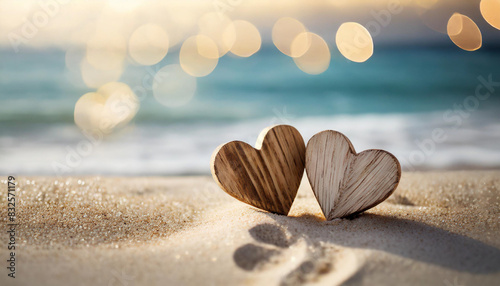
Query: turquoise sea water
point(393, 101)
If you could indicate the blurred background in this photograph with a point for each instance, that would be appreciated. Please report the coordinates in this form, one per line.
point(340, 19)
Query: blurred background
point(153, 87)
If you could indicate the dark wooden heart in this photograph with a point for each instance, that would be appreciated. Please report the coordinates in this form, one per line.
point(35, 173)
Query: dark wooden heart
point(267, 176)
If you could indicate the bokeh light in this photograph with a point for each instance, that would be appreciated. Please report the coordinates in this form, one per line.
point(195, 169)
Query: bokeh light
point(285, 30)
point(490, 9)
point(464, 32)
point(300, 45)
point(354, 42)
point(198, 55)
point(148, 44)
point(244, 36)
point(455, 25)
point(173, 87)
point(213, 26)
point(317, 57)
point(112, 106)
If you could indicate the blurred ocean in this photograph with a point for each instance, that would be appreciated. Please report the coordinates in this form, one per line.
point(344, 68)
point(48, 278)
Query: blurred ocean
point(394, 101)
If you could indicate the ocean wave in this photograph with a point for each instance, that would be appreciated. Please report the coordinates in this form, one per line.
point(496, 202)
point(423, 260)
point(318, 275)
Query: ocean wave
point(185, 148)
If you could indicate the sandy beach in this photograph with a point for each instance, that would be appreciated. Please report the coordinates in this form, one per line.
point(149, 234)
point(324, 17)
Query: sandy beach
point(436, 229)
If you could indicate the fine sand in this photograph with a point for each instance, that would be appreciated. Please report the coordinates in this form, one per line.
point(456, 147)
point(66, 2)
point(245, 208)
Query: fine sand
point(436, 229)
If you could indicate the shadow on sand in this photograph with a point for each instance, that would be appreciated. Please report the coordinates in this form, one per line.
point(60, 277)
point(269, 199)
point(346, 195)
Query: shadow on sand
point(405, 238)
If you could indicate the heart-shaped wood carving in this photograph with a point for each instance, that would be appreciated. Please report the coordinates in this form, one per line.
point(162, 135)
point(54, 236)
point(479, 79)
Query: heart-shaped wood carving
point(266, 177)
point(347, 183)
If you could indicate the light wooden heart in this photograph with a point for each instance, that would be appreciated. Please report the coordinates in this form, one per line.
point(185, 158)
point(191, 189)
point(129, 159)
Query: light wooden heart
point(266, 177)
point(347, 183)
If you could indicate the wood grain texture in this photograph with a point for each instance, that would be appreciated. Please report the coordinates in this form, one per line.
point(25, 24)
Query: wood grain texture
point(344, 182)
point(266, 177)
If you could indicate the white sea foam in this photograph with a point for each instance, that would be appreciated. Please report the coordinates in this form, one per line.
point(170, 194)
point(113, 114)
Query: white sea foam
point(185, 148)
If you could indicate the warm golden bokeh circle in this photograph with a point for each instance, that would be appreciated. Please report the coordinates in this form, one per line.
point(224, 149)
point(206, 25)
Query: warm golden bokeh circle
point(354, 42)
point(112, 106)
point(455, 25)
point(213, 25)
point(490, 9)
point(148, 44)
point(300, 45)
point(464, 32)
point(317, 57)
point(88, 110)
point(173, 87)
point(199, 55)
point(244, 36)
point(285, 30)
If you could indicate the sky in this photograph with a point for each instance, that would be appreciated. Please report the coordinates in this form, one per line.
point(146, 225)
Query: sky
point(66, 23)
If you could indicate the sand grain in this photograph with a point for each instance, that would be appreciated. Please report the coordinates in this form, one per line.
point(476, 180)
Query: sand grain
point(437, 229)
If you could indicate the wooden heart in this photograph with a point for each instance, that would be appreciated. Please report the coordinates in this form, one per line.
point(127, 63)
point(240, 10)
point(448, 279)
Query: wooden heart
point(347, 183)
point(266, 177)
